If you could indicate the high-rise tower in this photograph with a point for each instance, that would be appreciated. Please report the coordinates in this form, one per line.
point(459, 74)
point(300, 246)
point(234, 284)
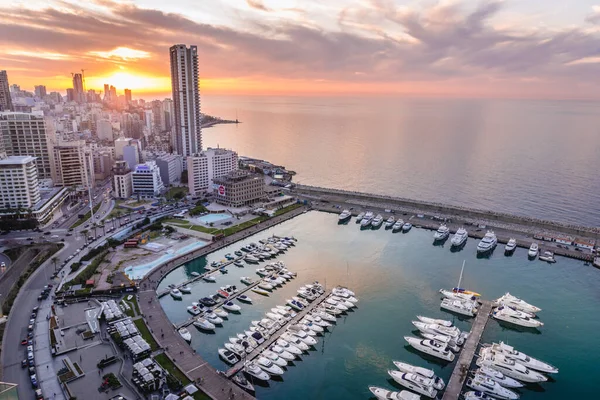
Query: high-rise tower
point(5, 99)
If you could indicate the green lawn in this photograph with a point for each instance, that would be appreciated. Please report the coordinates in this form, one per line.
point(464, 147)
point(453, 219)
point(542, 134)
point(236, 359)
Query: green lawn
point(287, 209)
point(86, 217)
point(134, 308)
point(172, 369)
point(184, 224)
point(145, 332)
point(174, 190)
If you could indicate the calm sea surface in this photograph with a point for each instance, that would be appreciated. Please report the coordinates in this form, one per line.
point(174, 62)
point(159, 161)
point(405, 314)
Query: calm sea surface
point(534, 158)
point(396, 277)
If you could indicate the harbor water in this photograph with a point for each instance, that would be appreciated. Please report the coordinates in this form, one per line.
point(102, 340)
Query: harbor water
point(397, 277)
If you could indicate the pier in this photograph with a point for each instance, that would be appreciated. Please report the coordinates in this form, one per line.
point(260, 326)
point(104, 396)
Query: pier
point(461, 369)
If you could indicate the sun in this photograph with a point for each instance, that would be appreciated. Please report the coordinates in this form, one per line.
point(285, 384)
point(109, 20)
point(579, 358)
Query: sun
point(127, 80)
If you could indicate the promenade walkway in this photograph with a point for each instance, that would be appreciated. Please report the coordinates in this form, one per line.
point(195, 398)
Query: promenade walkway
point(214, 384)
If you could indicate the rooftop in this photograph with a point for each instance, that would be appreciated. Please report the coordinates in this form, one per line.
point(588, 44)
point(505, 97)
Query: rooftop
point(14, 160)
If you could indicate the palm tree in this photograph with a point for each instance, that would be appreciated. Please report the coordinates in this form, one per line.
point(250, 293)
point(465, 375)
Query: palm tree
point(118, 214)
point(103, 230)
point(54, 261)
point(84, 233)
point(94, 225)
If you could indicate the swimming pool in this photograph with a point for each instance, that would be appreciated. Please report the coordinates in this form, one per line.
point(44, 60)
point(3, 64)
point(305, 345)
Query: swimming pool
point(212, 218)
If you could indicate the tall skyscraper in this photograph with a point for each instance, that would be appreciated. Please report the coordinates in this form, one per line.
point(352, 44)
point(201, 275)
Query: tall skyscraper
point(70, 94)
point(40, 91)
point(127, 96)
point(78, 88)
point(5, 99)
point(186, 99)
point(106, 92)
point(113, 94)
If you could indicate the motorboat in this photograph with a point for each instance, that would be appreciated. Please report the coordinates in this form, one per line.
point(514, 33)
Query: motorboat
point(288, 310)
point(510, 300)
point(406, 227)
point(293, 340)
point(295, 304)
point(282, 353)
point(209, 278)
point(530, 362)
point(436, 329)
point(268, 324)
point(518, 313)
point(185, 334)
point(229, 256)
point(257, 336)
point(488, 243)
point(255, 371)
point(286, 315)
point(332, 302)
point(436, 381)
point(443, 340)
point(414, 382)
point(276, 317)
point(220, 312)
point(251, 259)
point(302, 335)
point(507, 314)
point(508, 367)
point(467, 308)
point(203, 324)
point(213, 318)
point(397, 225)
point(460, 237)
point(330, 309)
point(534, 249)
point(431, 347)
point(242, 382)
point(194, 310)
point(547, 256)
point(195, 274)
point(244, 299)
point(366, 219)
point(344, 293)
point(344, 216)
point(238, 264)
point(238, 253)
point(246, 280)
point(390, 222)
point(265, 285)
point(457, 295)
point(231, 307)
point(384, 394)
point(315, 319)
point(269, 366)
point(238, 348)
point(310, 326)
point(324, 315)
point(208, 301)
point(185, 289)
point(510, 246)
point(274, 357)
point(227, 356)
point(291, 348)
point(343, 301)
point(442, 233)
point(499, 377)
point(477, 395)
point(176, 294)
point(260, 291)
point(486, 385)
point(428, 320)
point(224, 294)
point(360, 216)
point(377, 221)
point(467, 292)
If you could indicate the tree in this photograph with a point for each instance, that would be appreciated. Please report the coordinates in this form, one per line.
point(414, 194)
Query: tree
point(94, 226)
point(103, 229)
point(54, 261)
point(85, 234)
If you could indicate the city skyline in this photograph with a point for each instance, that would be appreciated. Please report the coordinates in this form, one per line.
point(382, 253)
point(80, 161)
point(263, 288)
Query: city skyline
point(486, 48)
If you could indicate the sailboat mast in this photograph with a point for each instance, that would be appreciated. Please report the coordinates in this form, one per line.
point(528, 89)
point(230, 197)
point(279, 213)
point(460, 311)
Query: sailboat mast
point(461, 274)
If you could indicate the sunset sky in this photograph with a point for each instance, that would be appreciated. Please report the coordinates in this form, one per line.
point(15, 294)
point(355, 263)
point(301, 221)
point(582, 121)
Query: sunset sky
point(480, 48)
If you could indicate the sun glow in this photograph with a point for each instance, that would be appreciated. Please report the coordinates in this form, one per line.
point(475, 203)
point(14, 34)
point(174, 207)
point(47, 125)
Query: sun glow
point(137, 82)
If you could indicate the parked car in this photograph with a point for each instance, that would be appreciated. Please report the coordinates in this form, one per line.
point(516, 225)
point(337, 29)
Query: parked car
point(24, 342)
point(24, 364)
point(34, 382)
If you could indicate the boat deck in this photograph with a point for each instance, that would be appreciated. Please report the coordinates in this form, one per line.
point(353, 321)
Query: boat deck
point(467, 353)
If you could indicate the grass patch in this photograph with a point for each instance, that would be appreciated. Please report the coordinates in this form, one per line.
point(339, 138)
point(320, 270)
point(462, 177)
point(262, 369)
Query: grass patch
point(171, 368)
point(86, 217)
point(134, 304)
point(202, 229)
point(177, 191)
point(146, 335)
point(287, 209)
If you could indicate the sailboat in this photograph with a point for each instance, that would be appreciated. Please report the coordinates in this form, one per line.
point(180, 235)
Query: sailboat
point(458, 289)
point(460, 300)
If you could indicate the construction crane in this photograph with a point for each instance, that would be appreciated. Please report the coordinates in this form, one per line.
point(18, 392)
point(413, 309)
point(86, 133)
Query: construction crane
point(83, 79)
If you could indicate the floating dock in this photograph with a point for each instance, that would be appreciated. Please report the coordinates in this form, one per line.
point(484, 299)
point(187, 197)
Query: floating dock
point(461, 369)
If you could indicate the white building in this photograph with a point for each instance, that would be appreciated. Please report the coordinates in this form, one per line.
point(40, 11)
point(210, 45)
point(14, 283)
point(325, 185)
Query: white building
point(208, 165)
point(146, 180)
point(131, 155)
point(170, 168)
point(19, 186)
point(119, 144)
point(104, 130)
point(122, 180)
point(73, 165)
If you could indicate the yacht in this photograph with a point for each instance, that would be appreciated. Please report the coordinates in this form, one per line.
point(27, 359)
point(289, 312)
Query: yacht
point(510, 246)
point(360, 216)
point(390, 222)
point(514, 311)
point(377, 221)
point(451, 343)
point(244, 299)
point(260, 291)
point(203, 324)
point(324, 315)
point(282, 353)
point(499, 377)
point(315, 319)
point(344, 293)
point(406, 227)
point(477, 396)
point(195, 274)
point(238, 264)
point(176, 294)
point(238, 348)
point(274, 357)
point(430, 347)
point(442, 233)
point(290, 348)
point(227, 356)
point(397, 225)
point(251, 258)
point(255, 371)
point(213, 318)
point(185, 334)
point(530, 362)
point(209, 278)
point(220, 312)
point(295, 304)
point(265, 285)
point(243, 383)
point(460, 237)
point(185, 289)
point(436, 329)
point(269, 366)
point(436, 382)
point(231, 307)
point(488, 243)
point(467, 308)
point(246, 280)
point(534, 249)
point(428, 320)
point(344, 216)
point(515, 302)
point(457, 295)
point(491, 387)
point(366, 220)
point(547, 256)
point(303, 336)
point(208, 301)
point(384, 394)
point(508, 366)
point(414, 382)
point(293, 340)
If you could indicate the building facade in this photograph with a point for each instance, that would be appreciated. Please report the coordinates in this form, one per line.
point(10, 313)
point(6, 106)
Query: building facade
point(78, 92)
point(127, 96)
point(131, 155)
point(73, 165)
point(146, 181)
point(207, 165)
point(19, 186)
point(239, 189)
point(40, 91)
point(186, 99)
point(122, 183)
point(170, 168)
point(5, 99)
point(104, 130)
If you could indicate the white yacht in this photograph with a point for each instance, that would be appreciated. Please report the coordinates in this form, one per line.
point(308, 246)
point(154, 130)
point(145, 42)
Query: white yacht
point(203, 324)
point(430, 347)
point(227, 356)
point(451, 343)
point(377, 221)
point(255, 371)
point(508, 367)
point(510, 246)
point(460, 237)
point(414, 382)
point(442, 233)
point(436, 329)
point(344, 216)
point(457, 295)
point(436, 381)
point(293, 340)
point(384, 394)
point(282, 353)
point(185, 289)
point(360, 216)
point(488, 243)
point(493, 388)
point(468, 308)
point(530, 362)
point(366, 220)
point(237, 348)
point(209, 278)
point(477, 395)
point(499, 377)
point(428, 320)
point(274, 357)
point(185, 334)
point(390, 222)
point(406, 227)
point(397, 225)
point(510, 300)
point(534, 249)
point(289, 347)
point(547, 256)
point(176, 294)
point(229, 306)
point(515, 317)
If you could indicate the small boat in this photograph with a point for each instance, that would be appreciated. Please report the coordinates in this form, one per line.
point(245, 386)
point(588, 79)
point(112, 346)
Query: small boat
point(208, 301)
point(274, 357)
point(203, 324)
point(213, 318)
point(457, 295)
point(231, 307)
point(220, 312)
point(414, 382)
point(243, 383)
point(238, 253)
point(468, 308)
point(436, 329)
point(238, 264)
point(377, 221)
point(451, 343)
point(194, 274)
point(282, 353)
point(224, 294)
point(344, 216)
point(209, 278)
point(428, 320)
point(397, 225)
point(176, 294)
point(390, 222)
point(430, 347)
point(228, 356)
point(247, 280)
point(512, 301)
point(499, 377)
point(509, 367)
point(510, 246)
point(251, 259)
point(533, 250)
point(442, 233)
point(476, 395)
point(515, 317)
point(491, 387)
point(244, 299)
point(436, 381)
point(185, 334)
point(366, 219)
point(255, 371)
point(547, 256)
point(488, 243)
point(237, 348)
point(459, 238)
point(359, 217)
point(260, 291)
point(406, 227)
point(384, 394)
point(512, 354)
point(295, 305)
point(262, 272)
point(293, 340)
point(269, 366)
point(290, 348)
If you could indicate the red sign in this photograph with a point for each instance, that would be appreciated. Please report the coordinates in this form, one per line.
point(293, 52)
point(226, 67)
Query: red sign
point(222, 190)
